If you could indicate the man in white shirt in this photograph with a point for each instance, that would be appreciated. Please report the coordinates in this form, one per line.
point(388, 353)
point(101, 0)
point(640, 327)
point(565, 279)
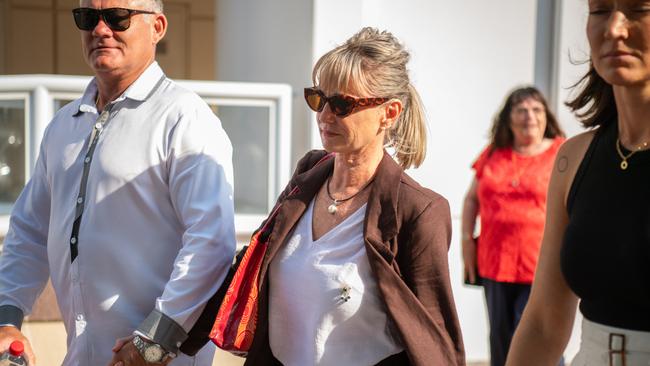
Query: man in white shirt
point(129, 209)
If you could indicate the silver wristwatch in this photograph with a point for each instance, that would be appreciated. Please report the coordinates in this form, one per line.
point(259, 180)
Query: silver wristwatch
point(151, 352)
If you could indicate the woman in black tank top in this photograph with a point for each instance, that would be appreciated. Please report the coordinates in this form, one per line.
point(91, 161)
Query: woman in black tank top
point(596, 246)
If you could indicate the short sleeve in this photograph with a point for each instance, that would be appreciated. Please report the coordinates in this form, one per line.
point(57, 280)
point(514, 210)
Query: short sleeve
point(479, 164)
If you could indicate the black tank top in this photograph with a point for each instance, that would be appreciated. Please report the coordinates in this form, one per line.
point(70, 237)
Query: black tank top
point(605, 256)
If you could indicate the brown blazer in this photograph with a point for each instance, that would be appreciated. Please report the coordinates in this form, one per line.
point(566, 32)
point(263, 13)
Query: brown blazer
point(407, 231)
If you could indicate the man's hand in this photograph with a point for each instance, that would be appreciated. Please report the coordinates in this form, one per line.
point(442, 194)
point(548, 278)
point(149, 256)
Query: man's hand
point(127, 355)
point(9, 334)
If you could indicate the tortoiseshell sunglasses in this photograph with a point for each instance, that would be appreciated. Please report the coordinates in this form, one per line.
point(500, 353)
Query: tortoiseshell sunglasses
point(340, 105)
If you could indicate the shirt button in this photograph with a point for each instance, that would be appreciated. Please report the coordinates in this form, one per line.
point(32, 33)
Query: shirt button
point(98, 126)
point(87, 159)
point(73, 240)
point(80, 317)
point(80, 200)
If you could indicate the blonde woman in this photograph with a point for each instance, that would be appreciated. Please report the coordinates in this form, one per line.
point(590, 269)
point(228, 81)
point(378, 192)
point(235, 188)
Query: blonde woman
point(356, 269)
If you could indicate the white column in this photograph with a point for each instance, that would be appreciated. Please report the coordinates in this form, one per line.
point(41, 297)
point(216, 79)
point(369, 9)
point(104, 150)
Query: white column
point(41, 113)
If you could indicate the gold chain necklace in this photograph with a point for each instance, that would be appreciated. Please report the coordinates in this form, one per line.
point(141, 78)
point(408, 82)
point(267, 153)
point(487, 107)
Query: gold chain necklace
point(624, 157)
point(519, 170)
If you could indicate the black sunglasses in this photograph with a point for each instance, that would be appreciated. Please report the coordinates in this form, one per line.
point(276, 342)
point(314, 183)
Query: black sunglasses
point(117, 19)
point(340, 105)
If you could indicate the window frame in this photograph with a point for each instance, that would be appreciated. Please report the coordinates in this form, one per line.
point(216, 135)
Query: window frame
point(40, 93)
point(25, 97)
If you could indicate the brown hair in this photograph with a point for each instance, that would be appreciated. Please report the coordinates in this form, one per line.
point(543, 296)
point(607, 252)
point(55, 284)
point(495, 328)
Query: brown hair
point(501, 135)
point(594, 105)
point(375, 61)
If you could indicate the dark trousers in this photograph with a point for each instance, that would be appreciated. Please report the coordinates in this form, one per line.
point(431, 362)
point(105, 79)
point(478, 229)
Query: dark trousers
point(505, 303)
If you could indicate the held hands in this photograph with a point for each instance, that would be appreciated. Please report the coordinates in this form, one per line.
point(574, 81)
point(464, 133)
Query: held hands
point(469, 259)
point(9, 334)
point(125, 354)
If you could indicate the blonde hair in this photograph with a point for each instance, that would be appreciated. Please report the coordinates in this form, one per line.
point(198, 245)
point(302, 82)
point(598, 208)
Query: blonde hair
point(375, 62)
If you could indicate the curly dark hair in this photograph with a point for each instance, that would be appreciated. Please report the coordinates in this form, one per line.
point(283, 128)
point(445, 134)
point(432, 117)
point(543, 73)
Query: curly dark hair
point(501, 135)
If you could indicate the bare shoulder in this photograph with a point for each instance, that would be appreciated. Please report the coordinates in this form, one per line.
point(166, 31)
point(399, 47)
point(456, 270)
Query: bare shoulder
point(568, 160)
point(578, 144)
point(573, 151)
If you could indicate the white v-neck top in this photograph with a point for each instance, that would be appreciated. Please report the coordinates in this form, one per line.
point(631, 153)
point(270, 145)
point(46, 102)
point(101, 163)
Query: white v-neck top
point(310, 322)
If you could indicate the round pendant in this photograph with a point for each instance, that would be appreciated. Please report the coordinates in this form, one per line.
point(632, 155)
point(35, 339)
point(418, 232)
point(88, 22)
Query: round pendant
point(514, 182)
point(332, 208)
point(624, 164)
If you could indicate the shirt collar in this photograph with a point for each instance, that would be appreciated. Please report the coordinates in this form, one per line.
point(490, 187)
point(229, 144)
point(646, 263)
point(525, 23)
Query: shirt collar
point(139, 90)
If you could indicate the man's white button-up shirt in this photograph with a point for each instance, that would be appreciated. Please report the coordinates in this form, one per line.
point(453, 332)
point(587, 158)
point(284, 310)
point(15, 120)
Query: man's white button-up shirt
point(157, 227)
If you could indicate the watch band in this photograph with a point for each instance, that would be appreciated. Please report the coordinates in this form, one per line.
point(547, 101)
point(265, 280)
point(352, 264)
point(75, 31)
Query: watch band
point(149, 350)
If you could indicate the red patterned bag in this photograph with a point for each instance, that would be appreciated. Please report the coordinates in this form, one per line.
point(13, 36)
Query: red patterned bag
point(234, 327)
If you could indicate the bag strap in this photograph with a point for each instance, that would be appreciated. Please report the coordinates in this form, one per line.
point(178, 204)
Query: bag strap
point(295, 189)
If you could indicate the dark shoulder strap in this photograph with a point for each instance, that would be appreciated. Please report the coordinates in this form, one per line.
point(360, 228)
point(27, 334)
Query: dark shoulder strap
point(312, 159)
point(325, 157)
point(267, 226)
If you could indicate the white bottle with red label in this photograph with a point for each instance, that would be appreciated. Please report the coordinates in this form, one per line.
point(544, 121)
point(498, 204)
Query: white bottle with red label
point(14, 356)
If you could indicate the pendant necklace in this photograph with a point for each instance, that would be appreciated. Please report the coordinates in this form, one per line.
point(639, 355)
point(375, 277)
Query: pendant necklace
point(520, 170)
point(624, 157)
point(332, 208)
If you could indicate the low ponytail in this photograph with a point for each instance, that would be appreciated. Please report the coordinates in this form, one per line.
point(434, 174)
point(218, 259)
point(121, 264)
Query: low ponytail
point(408, 136)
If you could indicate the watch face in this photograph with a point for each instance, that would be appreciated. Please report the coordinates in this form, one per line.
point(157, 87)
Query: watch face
point(153, 353)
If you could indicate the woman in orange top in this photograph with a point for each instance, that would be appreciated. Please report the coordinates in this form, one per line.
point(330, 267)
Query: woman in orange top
point(508, 193)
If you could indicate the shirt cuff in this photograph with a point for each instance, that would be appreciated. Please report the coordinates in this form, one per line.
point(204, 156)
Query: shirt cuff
point(11, 315)
point(163, 330)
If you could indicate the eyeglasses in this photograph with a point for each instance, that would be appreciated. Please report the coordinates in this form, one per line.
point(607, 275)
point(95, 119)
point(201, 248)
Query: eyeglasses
point(117, 19)
point(340, 105)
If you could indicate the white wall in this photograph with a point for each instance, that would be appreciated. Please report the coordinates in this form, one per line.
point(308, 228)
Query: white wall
point(571, 45)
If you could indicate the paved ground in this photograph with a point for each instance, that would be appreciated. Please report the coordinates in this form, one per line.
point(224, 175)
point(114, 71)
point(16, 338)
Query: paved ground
point(48, 340)
point(225, 359)
point(228, 360)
